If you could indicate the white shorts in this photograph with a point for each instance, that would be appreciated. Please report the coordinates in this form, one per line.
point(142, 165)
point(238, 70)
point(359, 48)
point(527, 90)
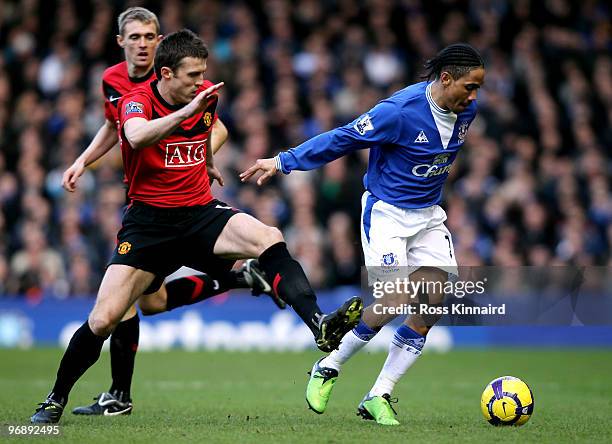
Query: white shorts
point(397, 241)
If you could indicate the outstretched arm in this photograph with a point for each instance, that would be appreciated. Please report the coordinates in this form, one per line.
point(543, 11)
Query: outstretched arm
point(104, 140)
point(377, 127)
point(310, 155)
point(141, 132)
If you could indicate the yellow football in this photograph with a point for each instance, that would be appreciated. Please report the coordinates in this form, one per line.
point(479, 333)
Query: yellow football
point(507, 401)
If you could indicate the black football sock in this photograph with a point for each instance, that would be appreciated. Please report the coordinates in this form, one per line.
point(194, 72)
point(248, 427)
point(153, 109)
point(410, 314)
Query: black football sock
point(191, 289)
point(289, 282)
point(82, 352)
point(123, 347)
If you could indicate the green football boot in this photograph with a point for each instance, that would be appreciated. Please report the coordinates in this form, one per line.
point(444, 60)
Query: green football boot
point(319, 388)
point(379, 409)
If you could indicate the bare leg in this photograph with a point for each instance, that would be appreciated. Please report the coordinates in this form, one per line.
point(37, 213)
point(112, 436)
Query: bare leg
point(154, 303)
point(120, 287)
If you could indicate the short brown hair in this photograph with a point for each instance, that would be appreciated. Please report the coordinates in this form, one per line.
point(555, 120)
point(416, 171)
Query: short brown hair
point(175, 47)
point(137, 13)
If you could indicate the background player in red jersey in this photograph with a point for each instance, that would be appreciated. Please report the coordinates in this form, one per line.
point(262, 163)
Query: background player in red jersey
point(174, 220)
point(139, 35)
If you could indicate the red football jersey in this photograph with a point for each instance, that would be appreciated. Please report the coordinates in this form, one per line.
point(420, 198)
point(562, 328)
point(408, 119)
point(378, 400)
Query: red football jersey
point(171, 173)
point(115, 83)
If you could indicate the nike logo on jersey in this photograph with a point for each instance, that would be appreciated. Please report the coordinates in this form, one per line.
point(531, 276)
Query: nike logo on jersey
point(113, 99)
point(421, 138)
point(224, 207)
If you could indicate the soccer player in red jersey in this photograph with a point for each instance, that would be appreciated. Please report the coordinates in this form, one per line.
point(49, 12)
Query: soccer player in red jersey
point(139, 35)
point(173, 218)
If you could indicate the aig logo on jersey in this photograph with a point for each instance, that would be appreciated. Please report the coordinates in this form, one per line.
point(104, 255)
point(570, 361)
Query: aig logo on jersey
point(185, 154)
point(363, 125)
point(435, 169)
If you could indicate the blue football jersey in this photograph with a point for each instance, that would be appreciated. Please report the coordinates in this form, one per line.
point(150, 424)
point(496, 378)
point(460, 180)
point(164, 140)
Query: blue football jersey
point(412, 142)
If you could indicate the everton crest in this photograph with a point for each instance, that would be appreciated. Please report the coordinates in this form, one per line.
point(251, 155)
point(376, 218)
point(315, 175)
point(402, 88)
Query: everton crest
point(389, 260)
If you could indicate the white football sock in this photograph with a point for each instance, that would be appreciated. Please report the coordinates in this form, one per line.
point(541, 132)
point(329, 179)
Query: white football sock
point(403, 352)
point(350, 345)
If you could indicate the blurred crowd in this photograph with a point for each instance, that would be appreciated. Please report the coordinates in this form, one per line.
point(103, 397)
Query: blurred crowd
point(531, 187)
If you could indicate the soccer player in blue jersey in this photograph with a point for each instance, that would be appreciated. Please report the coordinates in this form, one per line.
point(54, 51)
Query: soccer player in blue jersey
point(414, 137)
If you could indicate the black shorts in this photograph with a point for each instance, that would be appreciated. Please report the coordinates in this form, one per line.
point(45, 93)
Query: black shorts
point(161, 240)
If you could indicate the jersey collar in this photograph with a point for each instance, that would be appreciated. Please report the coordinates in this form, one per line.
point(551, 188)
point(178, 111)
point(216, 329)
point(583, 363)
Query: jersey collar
point(159, 97)
point(432, 102)
point(142, 79)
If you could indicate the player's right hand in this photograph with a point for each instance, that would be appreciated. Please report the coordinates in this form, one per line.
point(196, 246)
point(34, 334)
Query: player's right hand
point(268, 166)
point(214, 174)
point(200, 102)
point(71, 176)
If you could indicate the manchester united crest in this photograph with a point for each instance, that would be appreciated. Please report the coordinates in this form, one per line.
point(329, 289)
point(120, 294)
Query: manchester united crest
point(207, 119)
point(124, 248)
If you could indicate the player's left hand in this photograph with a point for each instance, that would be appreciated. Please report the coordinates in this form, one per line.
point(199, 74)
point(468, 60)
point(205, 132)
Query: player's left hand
point(215, 174)
point(268, 166)
point(72, 174)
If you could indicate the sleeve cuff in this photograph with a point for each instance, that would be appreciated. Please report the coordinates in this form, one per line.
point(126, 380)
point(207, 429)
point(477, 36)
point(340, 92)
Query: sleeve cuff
point(279, 164)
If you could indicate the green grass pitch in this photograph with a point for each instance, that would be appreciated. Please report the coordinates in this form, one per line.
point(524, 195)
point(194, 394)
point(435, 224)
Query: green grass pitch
point(259, 397)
